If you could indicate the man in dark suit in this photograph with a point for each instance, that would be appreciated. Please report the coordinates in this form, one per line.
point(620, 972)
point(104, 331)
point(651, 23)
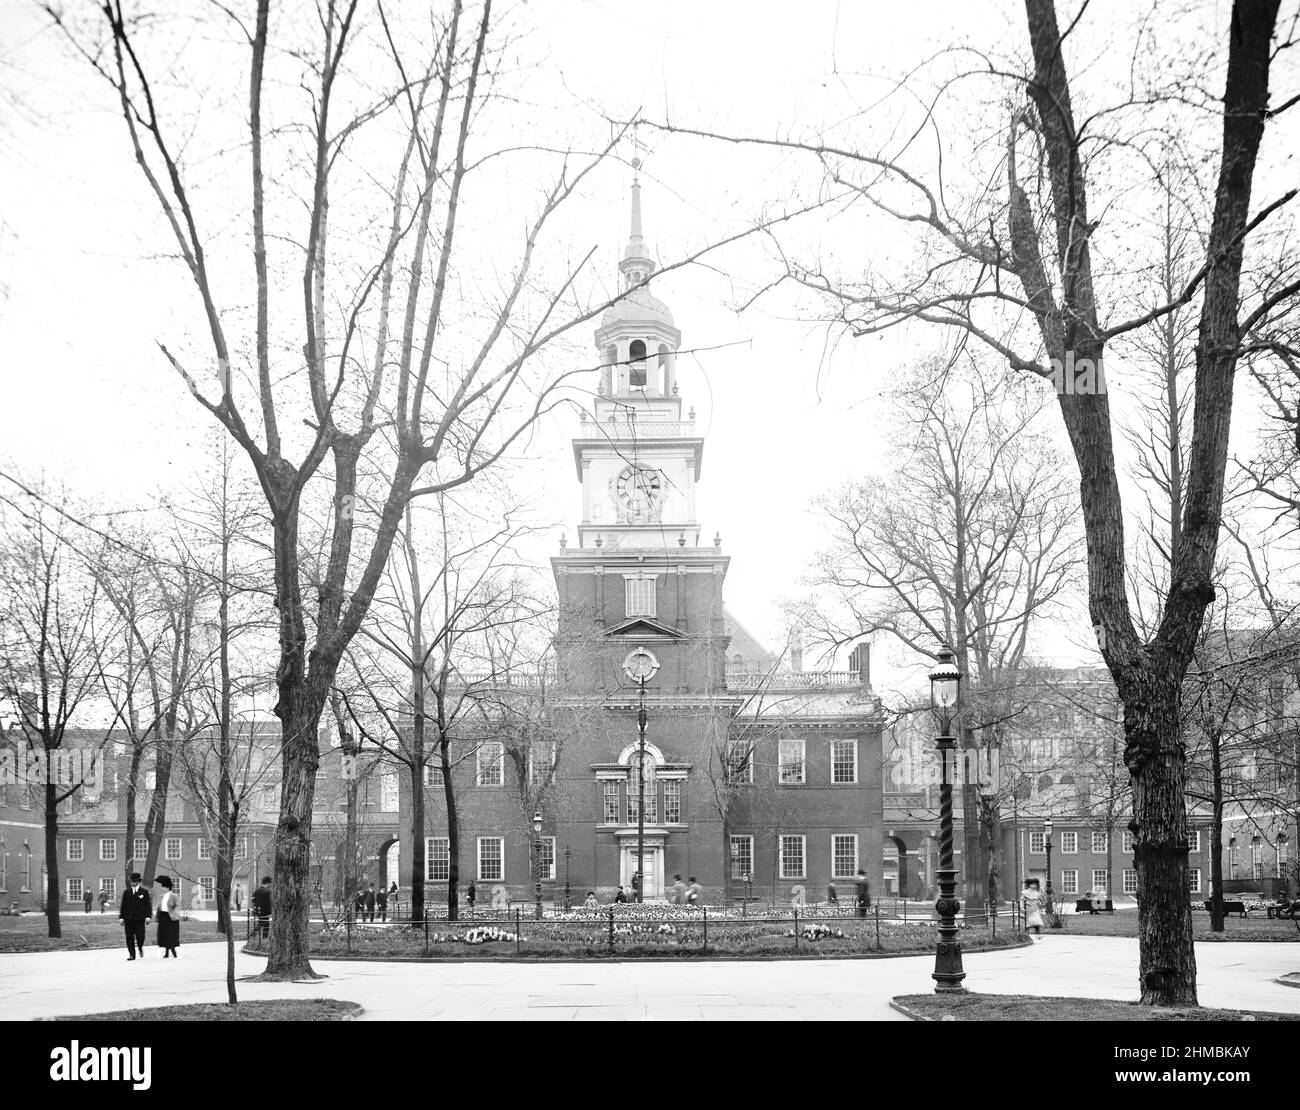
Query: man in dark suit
point(262, 907)
point(381, 901)
point(135, 910)
point(370, 902)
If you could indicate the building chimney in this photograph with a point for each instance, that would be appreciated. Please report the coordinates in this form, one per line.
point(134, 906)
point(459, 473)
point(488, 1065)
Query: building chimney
point(860, 661)
point(796, 651)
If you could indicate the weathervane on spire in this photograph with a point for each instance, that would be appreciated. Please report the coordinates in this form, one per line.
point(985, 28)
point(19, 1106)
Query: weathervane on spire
point(637, 265)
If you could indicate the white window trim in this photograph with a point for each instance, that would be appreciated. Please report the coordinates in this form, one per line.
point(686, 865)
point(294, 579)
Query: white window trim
point(533, 780)
point(1104, 885)
point(208, 888)
point(548, 876)
point(748, 776)
point(1124, 880)
point(677, 785)
point(618, 801)
point(853, 746)
point(498, 764)
point(67, 889)
point(1194, 842)
point(1041, 850)
point(81, 849)
point(1071, 888)
point(204, 851)
point(429, 842)
point(1126, 841)
point(852, 873)
point(140, 847)
point(1104, 845)
point(731, 856)
point(780, 848)
point(433, 774)
point(1194, 873)
point(167, 848)
point(801, 762)
point(635, 595)
point(112, 842)
point(501, 858)
point(1065, 840)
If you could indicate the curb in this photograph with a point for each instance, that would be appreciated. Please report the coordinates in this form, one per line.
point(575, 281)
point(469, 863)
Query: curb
point(1290, 979)
point(908, 1012)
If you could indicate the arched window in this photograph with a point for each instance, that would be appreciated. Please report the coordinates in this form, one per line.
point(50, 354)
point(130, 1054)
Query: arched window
point(1044, 783)
point(636, 352)
point(1067, 780)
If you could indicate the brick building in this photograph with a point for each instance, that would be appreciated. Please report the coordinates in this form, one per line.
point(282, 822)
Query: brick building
point(758, 780)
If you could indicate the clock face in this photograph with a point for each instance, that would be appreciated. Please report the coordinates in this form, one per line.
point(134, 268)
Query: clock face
point(639, 489)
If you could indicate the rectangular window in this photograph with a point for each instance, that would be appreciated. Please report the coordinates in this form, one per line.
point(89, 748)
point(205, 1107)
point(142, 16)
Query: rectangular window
point(790, 754)
point(491, 859)
point(27, 871)
point(74, 890)
point(208, 888)
point(270, 801)
point(489, 758)
point(673, 802)
point(4, 869)
point(1070, 881)
point(610, 795)
point(1037, 843)
point(76, 849)
point(1100, 881)
point(1281, 856)
point(640, 595)
point(1126, 842)
point(205, 849)
point(437, 859)
point(742, 856)
point(1130, 880)
point(139, 847)
point(1194, 840)
point(548, 857)
point(109, 887)
point(844, 761)
point(241, 848)
point(173, 848)
point(433, 774)
point(107, 849)
point(541, 761)
point(1070, 842)
point(1099, 844)
point(634, 799)
point(1194, 879)
point(844, 856)
point(792, 857)
point(740, 764)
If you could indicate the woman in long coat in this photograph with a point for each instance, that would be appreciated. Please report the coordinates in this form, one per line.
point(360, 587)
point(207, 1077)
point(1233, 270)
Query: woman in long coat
point(169, 919)
point(1033, 906)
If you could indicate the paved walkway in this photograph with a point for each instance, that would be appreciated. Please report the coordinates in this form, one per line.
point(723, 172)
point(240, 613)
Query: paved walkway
point(46, 984)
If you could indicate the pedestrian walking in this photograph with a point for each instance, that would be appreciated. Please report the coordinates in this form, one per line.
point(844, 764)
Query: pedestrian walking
point(88, 899)
point(262, 907)
point(471, 893)
point(395, 901)
point(1031, 900)
point(832, 895)
point(169, 919)
point(679, 891)
point(103, 900)
point(370, 902)
point(135, 910)
point(694, 892)
point(381, 902)
point(620, 895)
point(863, 891)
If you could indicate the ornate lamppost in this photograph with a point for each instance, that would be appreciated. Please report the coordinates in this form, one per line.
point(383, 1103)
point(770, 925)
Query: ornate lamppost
point(640, 667)
point(945, 692)
point(566, 877)
point(537, 848)
point(1049, 911)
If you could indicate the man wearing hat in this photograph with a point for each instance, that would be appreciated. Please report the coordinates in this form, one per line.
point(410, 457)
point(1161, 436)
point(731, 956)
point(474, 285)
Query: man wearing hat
point(134, 912)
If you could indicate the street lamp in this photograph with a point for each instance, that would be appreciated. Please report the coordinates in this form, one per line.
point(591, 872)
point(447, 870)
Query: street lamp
point(1048, 911)
point(945, 693)
point(537, 847)
point(640, 667)
point(566, 877)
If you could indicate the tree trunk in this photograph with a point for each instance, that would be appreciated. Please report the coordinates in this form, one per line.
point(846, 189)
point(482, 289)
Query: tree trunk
point(52, 859)
point(453, 833)
point(223, 912)
point(417, 837)
point(1167, 963)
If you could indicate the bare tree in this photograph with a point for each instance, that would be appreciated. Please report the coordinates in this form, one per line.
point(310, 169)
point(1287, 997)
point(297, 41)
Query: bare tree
point(1012, 264)
point(52, 661)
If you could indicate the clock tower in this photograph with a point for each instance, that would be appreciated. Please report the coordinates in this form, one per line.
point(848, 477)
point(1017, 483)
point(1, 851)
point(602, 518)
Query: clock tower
point(638, 576)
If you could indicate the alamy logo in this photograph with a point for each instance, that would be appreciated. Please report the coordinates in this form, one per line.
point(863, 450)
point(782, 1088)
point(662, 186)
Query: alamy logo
point(63, 767)
point(133, 1065)
point(1077, 377)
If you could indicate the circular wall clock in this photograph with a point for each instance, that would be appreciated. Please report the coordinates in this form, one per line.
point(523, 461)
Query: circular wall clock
point(638, 489)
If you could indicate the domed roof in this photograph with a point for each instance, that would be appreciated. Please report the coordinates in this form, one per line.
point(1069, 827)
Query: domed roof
point(639, 307)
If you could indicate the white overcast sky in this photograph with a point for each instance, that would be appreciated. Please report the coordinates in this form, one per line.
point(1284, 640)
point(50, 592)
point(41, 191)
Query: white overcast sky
point(788, 412)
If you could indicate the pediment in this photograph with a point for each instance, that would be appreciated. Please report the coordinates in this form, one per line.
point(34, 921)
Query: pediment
point(645, 626)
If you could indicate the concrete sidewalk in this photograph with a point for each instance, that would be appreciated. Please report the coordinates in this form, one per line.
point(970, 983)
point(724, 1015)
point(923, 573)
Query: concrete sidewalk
point(46, 984)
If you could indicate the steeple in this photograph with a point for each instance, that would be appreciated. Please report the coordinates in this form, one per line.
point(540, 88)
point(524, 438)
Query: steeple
point(637, 265)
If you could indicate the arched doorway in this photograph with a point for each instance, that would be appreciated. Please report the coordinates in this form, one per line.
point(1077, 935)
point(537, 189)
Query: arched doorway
point(390, 866)
point(898, 880)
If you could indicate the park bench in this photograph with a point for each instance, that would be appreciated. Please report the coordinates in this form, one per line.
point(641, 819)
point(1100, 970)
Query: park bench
point(1094, 905)
point(1231, 905)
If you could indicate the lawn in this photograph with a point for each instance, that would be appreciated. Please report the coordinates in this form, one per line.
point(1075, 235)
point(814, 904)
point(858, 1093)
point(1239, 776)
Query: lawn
point(269, 1009)
point(27, 933)
point(640, 933)
point(1019, 1007)
point(1125, 924)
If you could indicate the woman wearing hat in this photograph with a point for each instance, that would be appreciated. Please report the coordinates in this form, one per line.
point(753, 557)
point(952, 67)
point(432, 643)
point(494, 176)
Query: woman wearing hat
point(169, 919)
